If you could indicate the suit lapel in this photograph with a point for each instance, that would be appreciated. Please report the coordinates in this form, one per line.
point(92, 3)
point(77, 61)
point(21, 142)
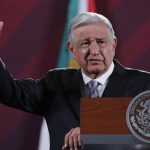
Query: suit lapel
point(117, 82)
point(78, 81)
point(114, 86)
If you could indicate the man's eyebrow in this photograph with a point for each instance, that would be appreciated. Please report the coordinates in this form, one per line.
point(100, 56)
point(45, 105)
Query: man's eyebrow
point(100, 37)
point(83, 40)
point(89, 39)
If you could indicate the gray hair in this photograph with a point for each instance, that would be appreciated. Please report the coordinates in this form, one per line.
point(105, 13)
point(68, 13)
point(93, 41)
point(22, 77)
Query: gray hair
point(86, 18)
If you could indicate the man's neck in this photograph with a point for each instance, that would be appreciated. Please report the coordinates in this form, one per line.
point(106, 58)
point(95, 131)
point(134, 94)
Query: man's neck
point(103, 77)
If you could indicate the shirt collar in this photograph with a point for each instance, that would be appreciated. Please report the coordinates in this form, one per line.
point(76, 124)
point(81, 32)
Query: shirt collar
point(102, 79)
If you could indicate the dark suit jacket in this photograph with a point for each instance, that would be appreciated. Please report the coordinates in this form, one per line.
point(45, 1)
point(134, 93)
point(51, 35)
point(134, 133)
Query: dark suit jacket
point(56, 96)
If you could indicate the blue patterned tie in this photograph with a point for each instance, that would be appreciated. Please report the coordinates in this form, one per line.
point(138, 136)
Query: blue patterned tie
point(93, 88)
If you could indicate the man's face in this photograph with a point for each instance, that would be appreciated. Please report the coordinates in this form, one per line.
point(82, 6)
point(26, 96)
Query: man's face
point(93, 48)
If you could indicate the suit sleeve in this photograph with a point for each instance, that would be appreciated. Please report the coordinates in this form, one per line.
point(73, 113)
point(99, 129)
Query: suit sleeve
point(28, 95)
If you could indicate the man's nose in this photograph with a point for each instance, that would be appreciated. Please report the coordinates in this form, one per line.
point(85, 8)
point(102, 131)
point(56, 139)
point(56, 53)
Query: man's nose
point(94, 48)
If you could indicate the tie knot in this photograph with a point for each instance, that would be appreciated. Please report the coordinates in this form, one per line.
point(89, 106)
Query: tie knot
point(93, 84)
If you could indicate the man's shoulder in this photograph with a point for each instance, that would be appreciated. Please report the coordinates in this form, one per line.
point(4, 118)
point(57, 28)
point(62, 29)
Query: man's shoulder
point(137, 72)
point(62, 77)
point(63, 72)
point(119, 68)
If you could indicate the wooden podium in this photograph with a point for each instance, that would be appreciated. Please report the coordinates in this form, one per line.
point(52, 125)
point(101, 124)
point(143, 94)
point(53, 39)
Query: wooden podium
point(103, 121)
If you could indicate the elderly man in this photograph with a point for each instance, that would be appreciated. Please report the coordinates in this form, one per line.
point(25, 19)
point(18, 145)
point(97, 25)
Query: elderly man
point(56, 96)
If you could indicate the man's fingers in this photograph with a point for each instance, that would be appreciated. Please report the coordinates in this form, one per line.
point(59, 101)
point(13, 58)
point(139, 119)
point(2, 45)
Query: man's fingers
point(79, 140)
point(64, 147)
point(75, 141)
point(72, 139)
point(67, 140)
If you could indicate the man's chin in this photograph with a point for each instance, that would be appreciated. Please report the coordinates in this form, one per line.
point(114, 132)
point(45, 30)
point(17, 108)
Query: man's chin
point(96, 71)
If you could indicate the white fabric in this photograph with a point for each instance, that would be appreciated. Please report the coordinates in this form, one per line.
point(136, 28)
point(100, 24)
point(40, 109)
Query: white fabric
point(44, 141)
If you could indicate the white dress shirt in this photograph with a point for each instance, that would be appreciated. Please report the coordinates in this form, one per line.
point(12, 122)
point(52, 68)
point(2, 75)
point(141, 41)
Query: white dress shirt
point(103, 79)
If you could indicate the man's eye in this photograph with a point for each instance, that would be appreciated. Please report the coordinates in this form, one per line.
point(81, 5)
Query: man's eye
point(101, 43)
point(85, 44)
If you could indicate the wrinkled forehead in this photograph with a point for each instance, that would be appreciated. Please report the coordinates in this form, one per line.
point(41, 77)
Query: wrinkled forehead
point(1, 25)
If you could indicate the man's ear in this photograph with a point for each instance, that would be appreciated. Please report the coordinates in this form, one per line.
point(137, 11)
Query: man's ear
point(114, 45)
point(70, 47)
